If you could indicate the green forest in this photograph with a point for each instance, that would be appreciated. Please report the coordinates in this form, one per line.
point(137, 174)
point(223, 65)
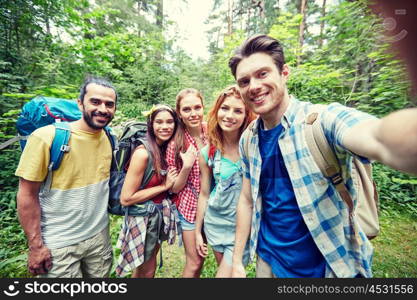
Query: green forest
point(337, 52)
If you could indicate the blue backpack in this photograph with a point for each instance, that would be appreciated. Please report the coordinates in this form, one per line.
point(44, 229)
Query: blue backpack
point(42, 111)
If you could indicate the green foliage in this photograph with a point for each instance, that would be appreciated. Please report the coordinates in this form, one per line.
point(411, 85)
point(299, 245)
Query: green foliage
point(396, 190)
point(285, 30)
point(217, 71)
point(317, 83)
point(12, 239)
point(49, 46)
point(372, 80)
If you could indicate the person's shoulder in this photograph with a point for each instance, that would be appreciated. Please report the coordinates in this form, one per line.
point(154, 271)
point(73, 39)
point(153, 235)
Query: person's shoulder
point(140, 153)
point(339, 110)
point(45, 134)
point(45, 130)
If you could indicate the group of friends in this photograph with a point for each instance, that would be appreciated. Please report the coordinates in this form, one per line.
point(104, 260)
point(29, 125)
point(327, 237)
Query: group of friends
point(243, 183)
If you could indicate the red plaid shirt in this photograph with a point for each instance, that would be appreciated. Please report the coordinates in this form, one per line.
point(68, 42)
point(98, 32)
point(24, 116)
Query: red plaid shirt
point(187, 198)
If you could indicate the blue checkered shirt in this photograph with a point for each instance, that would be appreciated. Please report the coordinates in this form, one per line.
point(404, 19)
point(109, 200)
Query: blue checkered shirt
point(323, 210)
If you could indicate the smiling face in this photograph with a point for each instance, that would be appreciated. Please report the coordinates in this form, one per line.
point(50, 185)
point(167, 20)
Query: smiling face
point(163, 126)
point(191, 111)
point(98, 106)
point(231, 114)
point(261, 84)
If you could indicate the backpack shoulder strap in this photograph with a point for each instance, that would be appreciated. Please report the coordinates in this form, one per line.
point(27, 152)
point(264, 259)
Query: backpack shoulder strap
point(59, 144)
point(211, 153)
point(114, 146)
point(112, 138)
point(324, 156)
point(149, 171)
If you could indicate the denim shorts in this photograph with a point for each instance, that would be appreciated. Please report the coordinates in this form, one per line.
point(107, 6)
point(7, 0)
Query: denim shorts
point(185, 225)
point(227, 252)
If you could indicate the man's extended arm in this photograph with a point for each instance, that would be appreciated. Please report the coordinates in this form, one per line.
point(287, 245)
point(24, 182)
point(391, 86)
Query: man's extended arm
point(391, 140)
point(28, 208)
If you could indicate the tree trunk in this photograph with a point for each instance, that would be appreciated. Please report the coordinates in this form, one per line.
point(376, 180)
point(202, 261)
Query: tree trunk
point(160, 24)
point(16, 30)
point(323, 14)
point(139, 16)
point(248, 23)
point(160, 14)
point(230, 17)
point(262, 17)
point(303, 12)
point(261, 5)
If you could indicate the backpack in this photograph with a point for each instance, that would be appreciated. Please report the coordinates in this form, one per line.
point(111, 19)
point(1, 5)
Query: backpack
point(366, 211)
point(134, 135)
point(42, 111)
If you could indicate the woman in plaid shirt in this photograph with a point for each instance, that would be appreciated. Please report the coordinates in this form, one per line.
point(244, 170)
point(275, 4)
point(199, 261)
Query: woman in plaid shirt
point(181, 155)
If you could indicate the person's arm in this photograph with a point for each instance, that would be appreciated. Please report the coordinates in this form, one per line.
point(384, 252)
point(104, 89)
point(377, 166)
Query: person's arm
point(391, 140)
point(188, 158)
point(130, 191)
point(205, 179)
point(243, 226)
point(29, 212)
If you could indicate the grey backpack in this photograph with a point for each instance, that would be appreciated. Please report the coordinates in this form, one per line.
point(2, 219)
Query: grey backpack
point(134, 135)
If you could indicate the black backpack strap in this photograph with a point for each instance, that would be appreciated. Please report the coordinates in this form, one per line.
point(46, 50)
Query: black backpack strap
point(112, 138)
point(149, 171)
point(114, 145)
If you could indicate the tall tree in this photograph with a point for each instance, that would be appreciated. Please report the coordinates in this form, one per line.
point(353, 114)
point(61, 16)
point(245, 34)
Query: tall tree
point(303, 12)
point(322, 22)
point(229, 17)
point(160, 14)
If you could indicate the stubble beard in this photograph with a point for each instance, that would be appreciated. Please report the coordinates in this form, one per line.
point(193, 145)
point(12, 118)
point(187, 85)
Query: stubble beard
point(88, 118)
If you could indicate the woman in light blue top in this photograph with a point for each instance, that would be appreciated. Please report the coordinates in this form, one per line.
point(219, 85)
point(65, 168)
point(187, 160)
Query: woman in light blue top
point(220, 161)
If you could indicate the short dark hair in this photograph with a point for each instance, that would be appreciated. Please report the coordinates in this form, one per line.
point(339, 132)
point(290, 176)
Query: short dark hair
point(258, 43)
point(96, 80)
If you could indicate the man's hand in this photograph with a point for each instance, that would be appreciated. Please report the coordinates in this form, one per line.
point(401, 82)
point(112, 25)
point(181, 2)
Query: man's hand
point(39, 260)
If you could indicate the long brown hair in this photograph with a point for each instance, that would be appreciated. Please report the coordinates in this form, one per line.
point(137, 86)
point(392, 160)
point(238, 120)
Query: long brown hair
point(180, 141)
point(158, 151)
point(215, 133)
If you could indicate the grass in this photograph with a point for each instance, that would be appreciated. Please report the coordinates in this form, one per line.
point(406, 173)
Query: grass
point(396, 246)
point(395, 249)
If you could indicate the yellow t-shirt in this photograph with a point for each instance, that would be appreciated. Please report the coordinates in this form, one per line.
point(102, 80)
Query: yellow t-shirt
point(75, 209)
